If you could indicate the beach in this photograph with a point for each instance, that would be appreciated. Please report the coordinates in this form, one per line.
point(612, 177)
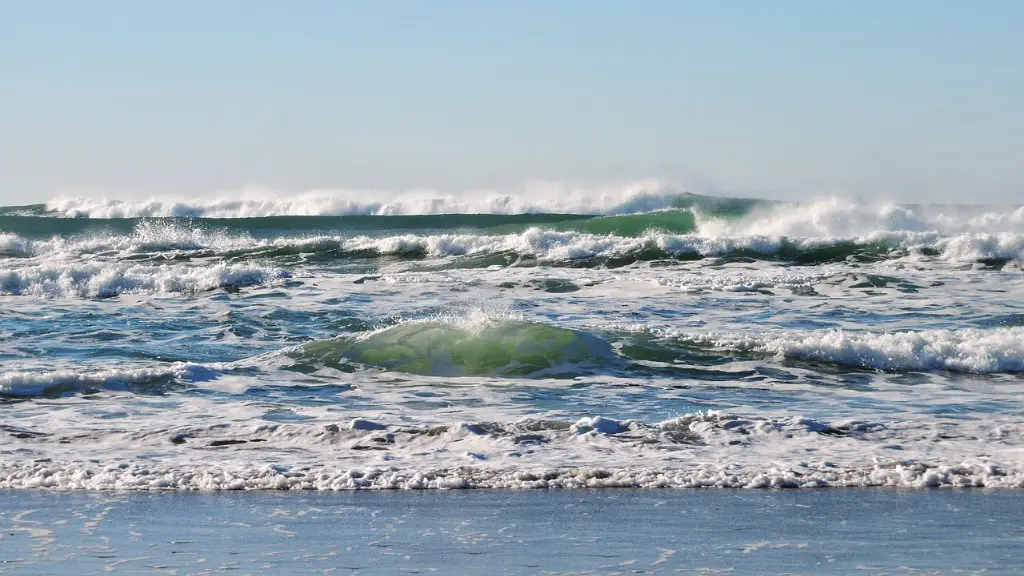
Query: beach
point(513, 532)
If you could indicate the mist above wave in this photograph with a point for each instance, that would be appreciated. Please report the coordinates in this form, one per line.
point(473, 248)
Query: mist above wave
point(841, 218)
point(536, 197)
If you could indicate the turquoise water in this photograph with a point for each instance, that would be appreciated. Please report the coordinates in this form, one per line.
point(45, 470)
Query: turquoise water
point(664, 341)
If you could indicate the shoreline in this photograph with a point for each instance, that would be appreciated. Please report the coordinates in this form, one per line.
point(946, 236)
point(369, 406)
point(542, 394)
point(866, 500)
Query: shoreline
point(272, 477)
point(600, 531)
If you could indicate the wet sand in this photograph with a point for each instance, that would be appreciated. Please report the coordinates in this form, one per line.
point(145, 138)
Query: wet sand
point(513, 532)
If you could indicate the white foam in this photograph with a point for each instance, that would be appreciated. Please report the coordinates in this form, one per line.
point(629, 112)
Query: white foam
point(37, 383)
point(153, 237)
point(534, 197)
point(966, 350)
point(210, 477)
point(704, 449)
point(555, 245)
point(14, 245)
point(101, 280)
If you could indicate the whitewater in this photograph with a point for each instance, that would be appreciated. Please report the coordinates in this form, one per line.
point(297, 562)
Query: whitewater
point(551, 337)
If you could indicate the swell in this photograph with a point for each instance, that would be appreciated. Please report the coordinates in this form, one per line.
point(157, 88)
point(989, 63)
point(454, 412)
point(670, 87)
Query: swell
point(509, 348)
point(518, 348)
point(514, 348)
point(534, 197)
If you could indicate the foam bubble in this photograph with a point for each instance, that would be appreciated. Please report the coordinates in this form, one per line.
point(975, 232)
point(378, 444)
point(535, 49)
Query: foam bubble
point(477, 346)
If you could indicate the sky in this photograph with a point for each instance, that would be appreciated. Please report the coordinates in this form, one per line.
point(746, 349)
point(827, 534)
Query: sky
point(914, 100)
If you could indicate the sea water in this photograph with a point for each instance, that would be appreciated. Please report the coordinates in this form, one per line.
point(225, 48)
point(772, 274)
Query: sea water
point(514, 532)
point(629, 337)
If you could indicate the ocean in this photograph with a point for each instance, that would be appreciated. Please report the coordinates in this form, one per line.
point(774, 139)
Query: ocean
point(631, 337)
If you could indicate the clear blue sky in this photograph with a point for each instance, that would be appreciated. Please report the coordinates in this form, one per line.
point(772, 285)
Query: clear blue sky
point(910, 99)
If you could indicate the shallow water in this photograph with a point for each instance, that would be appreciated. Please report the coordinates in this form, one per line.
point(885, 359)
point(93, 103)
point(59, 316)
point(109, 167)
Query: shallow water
point(514, 532)
point(336, 344)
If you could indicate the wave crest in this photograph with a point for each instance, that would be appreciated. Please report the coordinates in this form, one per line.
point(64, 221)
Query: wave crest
point(98, 280)
point(535, 197)
point(969, 350)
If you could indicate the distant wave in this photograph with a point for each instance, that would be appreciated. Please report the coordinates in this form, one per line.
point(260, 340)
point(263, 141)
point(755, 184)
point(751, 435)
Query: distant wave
point(538, 197)
point(626, 210)
point(160, 240)
point(708, 216)
point(839, 218)
point(830, 230)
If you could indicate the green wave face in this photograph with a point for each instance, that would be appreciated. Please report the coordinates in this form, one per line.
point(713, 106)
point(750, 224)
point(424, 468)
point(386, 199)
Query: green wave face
point(441, 349)
point(673, 221)
point(34, 221)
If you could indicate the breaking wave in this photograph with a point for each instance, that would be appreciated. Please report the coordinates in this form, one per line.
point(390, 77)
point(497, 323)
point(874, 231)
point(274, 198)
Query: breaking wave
point(788, 451)
point(105, 280)
point(536, 197)
point(52, 383)
point(180, 240)
point(631, 224)
point(969, 350)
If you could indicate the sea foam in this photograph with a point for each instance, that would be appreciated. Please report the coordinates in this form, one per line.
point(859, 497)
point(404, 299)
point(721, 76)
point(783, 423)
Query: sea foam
point(38, 383)
point(104, 280)
point(966, 350)
point(696, 450)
